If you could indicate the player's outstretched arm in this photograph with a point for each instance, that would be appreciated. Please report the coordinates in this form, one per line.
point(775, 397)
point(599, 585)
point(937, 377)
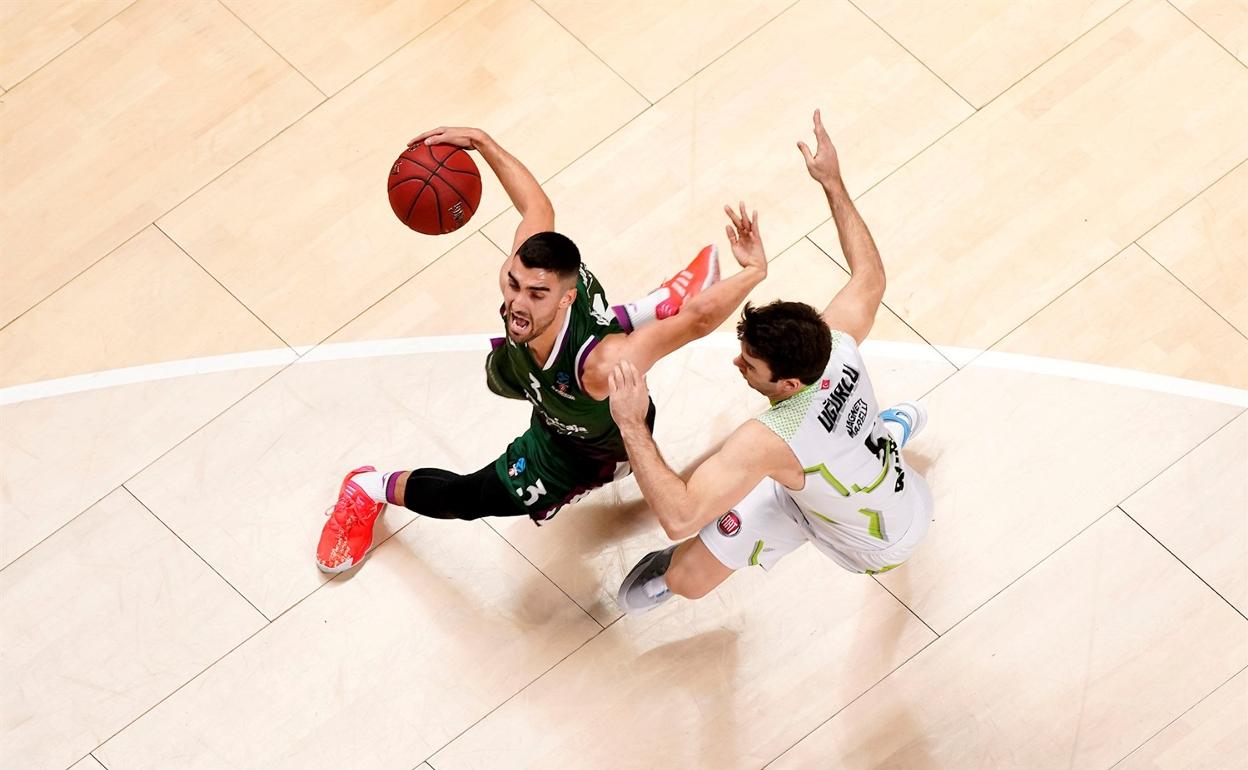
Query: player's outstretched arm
point(853, 308)
point(702, 315)
point(720, 482)
point(537, 215)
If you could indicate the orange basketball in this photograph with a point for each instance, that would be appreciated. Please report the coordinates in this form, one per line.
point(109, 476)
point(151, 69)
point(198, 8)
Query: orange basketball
point(434, 188)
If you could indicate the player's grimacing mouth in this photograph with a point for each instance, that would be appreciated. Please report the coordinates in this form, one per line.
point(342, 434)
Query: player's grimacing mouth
point(518, 324)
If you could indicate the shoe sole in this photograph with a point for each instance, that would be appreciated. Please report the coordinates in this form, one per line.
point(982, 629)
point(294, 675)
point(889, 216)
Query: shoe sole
point(333, 570)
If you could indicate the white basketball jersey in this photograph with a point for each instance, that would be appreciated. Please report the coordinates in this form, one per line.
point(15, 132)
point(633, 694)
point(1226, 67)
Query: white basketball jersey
point(854, 473)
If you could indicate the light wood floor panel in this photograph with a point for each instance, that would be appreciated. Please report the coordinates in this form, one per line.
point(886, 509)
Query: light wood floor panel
point(33, 32)
point(1004, 497)
point(691, 685)
point(376, 670)
point(302, 231)
point(656, 45)
point(118, 130)
point(1051, 180)
point(99, 626)
point(62, 454)
point(457, 294)
point(659, 185)
point(1172, 331)
point(700, 398)
point(1225, 20)
point(145, 303)
point(1077, 663)
point(1214, 734)
point(1205, 244)
point(1021, 462)
point(87, 763)
point(1199, 510)
point(981, 48)
point(333, 42)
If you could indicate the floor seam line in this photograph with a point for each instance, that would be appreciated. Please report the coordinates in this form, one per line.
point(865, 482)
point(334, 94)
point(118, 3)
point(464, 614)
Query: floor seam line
point(271, 47)
point(70, 47)
point(198, 555)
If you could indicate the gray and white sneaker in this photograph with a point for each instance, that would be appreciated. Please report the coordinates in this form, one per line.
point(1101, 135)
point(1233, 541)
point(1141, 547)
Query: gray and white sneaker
point(633, 597)
point(910, 416)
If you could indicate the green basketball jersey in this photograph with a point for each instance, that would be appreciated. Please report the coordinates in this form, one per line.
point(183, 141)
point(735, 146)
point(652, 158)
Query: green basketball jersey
point(559, 404)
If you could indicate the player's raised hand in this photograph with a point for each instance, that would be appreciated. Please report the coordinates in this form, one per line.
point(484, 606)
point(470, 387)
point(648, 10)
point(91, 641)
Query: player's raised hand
point(630, 398)
point(747, 242)
point(823, 164)
point(465, 137)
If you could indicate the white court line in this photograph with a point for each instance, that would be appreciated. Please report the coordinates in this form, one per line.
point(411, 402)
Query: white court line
point(458, 343)
point(131, 375)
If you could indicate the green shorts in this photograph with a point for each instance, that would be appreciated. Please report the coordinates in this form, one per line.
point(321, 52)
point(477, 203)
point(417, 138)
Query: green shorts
point(546, 471)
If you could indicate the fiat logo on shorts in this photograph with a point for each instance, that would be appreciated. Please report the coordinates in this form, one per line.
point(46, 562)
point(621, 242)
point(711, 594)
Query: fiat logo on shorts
point(729, 524)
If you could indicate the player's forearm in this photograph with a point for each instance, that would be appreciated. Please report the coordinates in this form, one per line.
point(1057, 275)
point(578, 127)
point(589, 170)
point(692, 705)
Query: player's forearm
point(857, 244)
point(666, 493)
point(714, 306)
point(519, 183)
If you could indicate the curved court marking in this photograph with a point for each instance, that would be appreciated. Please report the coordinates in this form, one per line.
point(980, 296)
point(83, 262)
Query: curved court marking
point(458, 343)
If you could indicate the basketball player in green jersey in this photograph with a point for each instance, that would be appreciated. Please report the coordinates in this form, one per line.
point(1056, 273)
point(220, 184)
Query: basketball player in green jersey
point(822, 465)
point(562, 341)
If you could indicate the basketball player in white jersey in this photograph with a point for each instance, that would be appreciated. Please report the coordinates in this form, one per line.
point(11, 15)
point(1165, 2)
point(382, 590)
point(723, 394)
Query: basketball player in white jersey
point(822, 465)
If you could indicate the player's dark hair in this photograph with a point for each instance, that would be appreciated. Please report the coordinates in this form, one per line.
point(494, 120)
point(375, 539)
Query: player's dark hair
point(790, 336)
point(550, 251)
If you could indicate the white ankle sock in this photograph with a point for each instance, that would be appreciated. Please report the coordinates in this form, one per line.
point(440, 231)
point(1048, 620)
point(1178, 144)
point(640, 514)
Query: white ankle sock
point(656, 586)
point(644, 310)
point(373, 483)
point(897, 431)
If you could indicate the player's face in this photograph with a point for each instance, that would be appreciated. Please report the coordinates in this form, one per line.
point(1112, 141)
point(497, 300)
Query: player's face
point(756, 373)
point(533, 298)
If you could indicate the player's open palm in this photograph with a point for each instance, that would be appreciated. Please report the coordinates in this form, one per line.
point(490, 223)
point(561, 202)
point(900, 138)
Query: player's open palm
point(747, 243)
point(823, 164)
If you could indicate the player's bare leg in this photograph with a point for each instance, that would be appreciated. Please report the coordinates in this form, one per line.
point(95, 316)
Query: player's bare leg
point(688, 569)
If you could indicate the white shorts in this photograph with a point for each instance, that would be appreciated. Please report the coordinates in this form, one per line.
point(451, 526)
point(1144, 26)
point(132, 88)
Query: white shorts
point(768, 524)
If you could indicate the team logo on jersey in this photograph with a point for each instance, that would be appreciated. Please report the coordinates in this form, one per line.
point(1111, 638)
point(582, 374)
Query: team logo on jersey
point(563, 381)
point(836, 399)
point(568, 429)
point(516, 468)
point(601, 313)
point(857, 416)
point(729, 524)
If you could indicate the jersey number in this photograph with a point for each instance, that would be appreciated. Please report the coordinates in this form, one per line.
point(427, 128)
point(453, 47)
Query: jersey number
point(884, 449)
point(535, 492)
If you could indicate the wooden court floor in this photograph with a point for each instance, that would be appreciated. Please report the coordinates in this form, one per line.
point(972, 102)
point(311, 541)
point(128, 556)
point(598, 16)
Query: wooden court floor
point(208, 314)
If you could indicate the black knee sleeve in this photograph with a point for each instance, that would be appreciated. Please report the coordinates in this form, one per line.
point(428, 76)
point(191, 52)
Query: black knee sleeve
point(441, 494)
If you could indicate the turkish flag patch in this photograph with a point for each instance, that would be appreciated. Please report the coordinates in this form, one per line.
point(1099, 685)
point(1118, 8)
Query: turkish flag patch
point(825, 384)
point(729, 524)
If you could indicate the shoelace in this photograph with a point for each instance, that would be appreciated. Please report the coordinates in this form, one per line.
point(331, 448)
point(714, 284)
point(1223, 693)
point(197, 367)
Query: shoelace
point(354, 508)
